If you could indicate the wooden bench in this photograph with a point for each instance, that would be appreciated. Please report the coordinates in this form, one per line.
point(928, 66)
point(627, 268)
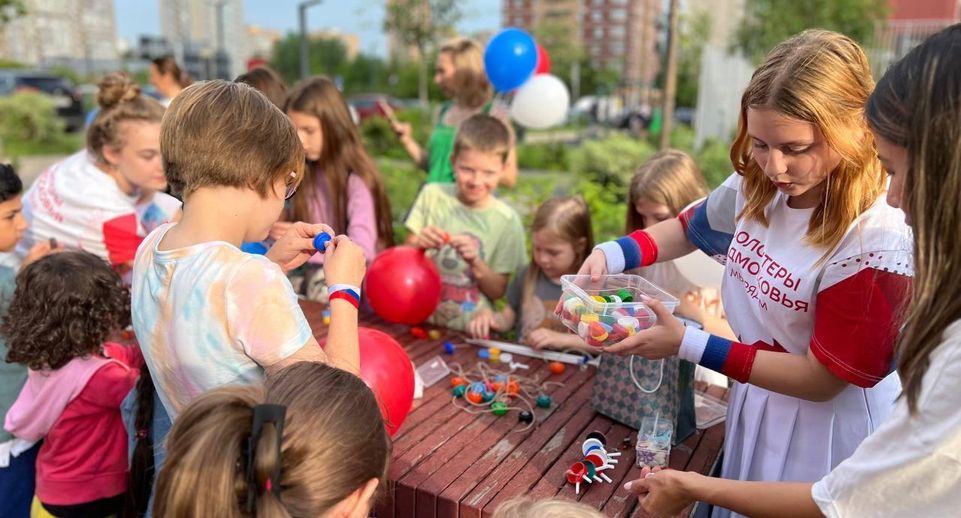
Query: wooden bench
point(450, 463)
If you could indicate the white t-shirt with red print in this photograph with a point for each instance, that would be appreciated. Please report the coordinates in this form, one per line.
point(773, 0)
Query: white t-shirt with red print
point(81, 207)
point(783, 294)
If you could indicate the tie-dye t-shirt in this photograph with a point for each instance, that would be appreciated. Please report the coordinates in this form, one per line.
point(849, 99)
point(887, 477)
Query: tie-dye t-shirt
point(209, 315)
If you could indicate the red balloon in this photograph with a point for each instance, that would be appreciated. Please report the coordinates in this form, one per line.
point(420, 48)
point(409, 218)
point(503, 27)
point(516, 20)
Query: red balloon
point(403, 285)
point(543, 61)
point(386, 369)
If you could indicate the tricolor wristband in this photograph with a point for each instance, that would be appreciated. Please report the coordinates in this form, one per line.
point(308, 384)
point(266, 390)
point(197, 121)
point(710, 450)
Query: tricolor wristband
point(346, 292)
point(732, 359)
point(632, 251)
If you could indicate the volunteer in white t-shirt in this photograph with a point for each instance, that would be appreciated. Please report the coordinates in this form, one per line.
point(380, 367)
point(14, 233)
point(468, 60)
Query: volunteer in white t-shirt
point(817, 267)
point(911, 466)
point(99, 199)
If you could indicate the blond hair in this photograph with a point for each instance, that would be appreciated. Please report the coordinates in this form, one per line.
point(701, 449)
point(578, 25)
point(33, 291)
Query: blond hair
point(484, 134)
point(823, 78)
point(524, 507)
point(333, 443)
point(567, 219)
point(470, 84)
point(120, 103)
point(917, 105)
point(223, 134)
point(670, 178)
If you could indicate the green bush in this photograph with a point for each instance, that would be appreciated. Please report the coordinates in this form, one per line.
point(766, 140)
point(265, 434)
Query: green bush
point(714, 159)
point(380, 140)
point(610, 162)
point(543, 157)
point(402, 181)
point(29, 117)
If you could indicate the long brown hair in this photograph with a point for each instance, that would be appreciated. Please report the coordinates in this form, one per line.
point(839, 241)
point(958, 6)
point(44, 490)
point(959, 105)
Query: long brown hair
point(917, 105)
point(568, 219)
point(670, 178)
point(823, 78)
point(342, 154)
point(333, 443)
point(167, 65)
point(120, 102)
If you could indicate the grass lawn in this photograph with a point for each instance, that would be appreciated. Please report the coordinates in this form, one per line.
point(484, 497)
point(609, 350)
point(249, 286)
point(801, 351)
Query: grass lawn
point(64, 144)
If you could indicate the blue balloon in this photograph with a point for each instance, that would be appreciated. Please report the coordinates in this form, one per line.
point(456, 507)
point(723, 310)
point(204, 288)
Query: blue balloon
point(255, 248)
point(510, 59)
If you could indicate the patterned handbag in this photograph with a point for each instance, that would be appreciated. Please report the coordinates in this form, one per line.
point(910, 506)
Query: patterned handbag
point(629, 388)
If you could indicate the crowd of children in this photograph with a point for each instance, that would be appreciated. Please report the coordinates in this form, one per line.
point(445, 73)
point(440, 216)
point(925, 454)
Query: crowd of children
point(226, 405)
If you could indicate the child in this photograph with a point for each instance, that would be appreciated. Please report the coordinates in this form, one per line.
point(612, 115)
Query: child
point(17, 456)
point(476, 240)
point(64, 307)
point(661, 189)
point(267, 82)
point(523, 507)
point(562, 239)
point(168, 78)
point(341, 186)
point(817, 267)
point(98, 199)
point(322, 449)
point(205, 313)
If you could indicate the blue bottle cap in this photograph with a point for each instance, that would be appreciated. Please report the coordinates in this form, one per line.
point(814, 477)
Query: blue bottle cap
point(320, 241)
point(254, 247)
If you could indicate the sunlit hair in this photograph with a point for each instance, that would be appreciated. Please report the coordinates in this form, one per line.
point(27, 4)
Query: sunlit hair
point(567, 219)
point(671, 178)
point(333, 443)
point(823, 78)
point(526, 507)
point(484, 134)
point(470, 85)
point(267, 82)
point(917, 105)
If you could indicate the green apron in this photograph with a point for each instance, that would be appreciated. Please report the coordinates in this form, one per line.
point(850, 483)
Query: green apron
point(441, 146)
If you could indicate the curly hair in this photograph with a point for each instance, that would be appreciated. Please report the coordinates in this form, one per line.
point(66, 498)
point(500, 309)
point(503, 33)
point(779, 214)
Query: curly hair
point(65, 306)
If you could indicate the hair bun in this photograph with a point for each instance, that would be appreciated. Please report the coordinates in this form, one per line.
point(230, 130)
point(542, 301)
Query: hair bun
point(116, 88)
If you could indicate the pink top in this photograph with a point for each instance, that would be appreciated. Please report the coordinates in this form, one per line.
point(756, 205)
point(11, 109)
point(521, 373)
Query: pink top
point(361, 215)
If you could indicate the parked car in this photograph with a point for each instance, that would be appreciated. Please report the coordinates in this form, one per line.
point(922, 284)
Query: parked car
point(367, 105)
point(66, 98)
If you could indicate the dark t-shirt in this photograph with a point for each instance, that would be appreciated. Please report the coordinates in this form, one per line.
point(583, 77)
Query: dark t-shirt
point(540, 311)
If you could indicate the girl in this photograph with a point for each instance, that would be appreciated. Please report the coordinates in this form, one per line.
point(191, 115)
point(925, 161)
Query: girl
point(909, 466)
point(267, 82)
point(660, 190)
point(561, 240)
point(817, 265)
point(64, 307)
point(167, 77)
point(99, 199)
point(524, 507)
point(460, 75)
point(342, 186)
point(309, 442)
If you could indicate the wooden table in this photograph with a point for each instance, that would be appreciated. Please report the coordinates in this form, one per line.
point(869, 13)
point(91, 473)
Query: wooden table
point(449, 463)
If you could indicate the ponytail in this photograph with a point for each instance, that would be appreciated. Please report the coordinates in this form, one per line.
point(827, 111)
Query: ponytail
point(142, 459)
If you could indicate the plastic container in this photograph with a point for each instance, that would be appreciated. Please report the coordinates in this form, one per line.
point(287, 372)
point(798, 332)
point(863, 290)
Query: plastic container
point(654, 442)
point(609, 310)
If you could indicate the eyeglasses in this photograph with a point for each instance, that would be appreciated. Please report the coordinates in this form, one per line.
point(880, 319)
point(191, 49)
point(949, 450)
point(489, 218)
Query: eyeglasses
point(292, 184)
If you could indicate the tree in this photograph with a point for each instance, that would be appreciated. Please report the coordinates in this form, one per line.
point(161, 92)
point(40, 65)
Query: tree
point(693, 34)
point(422, 24)
point(768, 22)
point(327, 57)
point(10, 9)
point(565, 51)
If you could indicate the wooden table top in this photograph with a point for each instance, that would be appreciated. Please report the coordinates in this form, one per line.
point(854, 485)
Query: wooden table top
point(447, 462)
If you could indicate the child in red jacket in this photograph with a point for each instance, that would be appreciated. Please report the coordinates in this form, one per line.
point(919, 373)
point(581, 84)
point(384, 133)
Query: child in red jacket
point(64, 307)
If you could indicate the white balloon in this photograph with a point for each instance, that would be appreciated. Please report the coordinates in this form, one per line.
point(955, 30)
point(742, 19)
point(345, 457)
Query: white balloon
point(541, 102)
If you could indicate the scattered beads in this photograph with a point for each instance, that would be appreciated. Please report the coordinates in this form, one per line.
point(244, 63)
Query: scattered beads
point(434, 334)
point(544, 401)
point(556, 367)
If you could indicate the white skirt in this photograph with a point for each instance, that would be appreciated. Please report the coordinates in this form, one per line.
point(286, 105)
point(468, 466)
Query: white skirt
point(773, 437)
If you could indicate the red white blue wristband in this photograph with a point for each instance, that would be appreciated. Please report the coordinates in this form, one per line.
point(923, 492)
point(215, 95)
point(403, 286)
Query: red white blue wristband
point(346, 292)
point(733, 359)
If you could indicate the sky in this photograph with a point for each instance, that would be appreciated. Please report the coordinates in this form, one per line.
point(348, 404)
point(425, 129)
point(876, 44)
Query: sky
point(363, 17)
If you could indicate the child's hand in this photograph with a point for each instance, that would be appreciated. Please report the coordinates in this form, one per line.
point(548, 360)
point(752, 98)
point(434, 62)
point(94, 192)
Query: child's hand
point(279, 229)
point(432, 237)
point(543, 337)
point(595, 265)
point(296, 245)
point(344, 262)
point(481, 325)
point(465, 246)
point(41, 250)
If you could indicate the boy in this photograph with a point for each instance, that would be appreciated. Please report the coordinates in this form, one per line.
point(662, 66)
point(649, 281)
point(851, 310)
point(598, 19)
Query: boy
point(205, 313)
point(477, 241)
point(17, 457)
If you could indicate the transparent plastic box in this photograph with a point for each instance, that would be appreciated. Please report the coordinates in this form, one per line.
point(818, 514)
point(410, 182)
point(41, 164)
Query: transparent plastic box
point(608, 310)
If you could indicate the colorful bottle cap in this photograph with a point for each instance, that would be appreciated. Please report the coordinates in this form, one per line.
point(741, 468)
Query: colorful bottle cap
point(483, 354)
point(448, 347)
point(434, 334)
point(477, 386)
point(459, 390)
point(475, 397)
point(590, 317)
point(625, 295)
point(525, 417)
point(320, 241)
point(457, 380)
point(599, 298)
point(544, 401)
point(487, 396)
point(507, 357)
point(498, 408)
point(556, 367)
